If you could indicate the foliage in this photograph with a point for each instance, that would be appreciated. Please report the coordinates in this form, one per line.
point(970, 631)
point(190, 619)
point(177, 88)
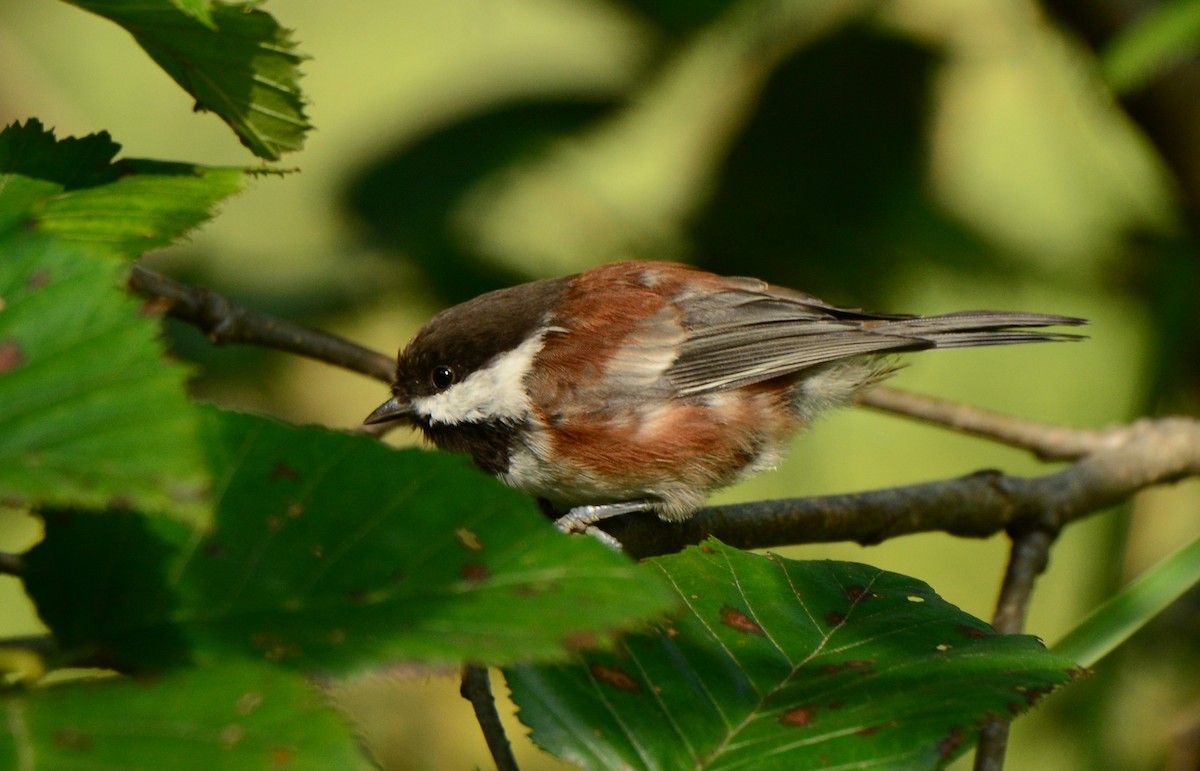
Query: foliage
point(783, 664)
point(329, 552)
point(220, 565)
point(232, 57)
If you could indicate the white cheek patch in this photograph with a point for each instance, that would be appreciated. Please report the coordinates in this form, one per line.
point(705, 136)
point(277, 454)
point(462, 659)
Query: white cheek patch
point(494, 392)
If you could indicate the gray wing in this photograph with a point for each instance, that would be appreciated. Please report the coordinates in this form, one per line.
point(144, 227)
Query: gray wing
point(749, 334)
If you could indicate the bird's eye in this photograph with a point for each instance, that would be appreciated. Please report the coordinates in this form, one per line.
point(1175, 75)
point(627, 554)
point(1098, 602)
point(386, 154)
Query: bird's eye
point(442, 378)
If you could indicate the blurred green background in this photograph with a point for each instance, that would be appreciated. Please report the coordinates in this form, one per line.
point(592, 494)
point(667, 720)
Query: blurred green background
point(915, 156)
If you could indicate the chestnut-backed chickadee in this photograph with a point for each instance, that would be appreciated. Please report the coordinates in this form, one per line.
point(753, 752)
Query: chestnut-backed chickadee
point(646, 385)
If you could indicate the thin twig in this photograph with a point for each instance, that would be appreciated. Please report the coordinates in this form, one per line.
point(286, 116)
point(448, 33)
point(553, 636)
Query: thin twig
point(226, 322)
point(1047, 442)
point(477, 689)
point(11, 564)
point(1027, 560)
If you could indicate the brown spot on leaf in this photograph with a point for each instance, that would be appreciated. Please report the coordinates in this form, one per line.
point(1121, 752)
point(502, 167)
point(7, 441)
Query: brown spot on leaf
point(231, 735)
point(616, 677)
point(282, 470)
point(580, 641)
point(72, 738)
point(274, 647)
point(835, 618)
point(214, 550)
point(798, 716)
point(295, 510)
point(1013, 708)
point(10, 356)
point(973, 632)
point(468, 539)
point(281, 757)
point(1032, 695)
point(856, 593)
point(1076, 673)
point(248, 702)
point(282, 652)
point(706, 549)
point(536, 588)
point(38, 279)
point(870, 730)
point(835, 705)
point(475, 572)
point(737, 620)
point(950, 743)
point(156, 307)
point(833, 669)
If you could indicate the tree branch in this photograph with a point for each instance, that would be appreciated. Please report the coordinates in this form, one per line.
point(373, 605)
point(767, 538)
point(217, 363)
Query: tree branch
point(227, 323)
point(977, 505)
point(477, 688)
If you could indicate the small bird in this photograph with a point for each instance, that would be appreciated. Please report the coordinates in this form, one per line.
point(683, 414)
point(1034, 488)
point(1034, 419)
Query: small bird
point(647, 385)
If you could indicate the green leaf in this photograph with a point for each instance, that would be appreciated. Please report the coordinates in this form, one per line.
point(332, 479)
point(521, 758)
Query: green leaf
point(784, 664)
point(73, 188)
point(104, 584)
point(30, 150)
point(233, 58)
point(197, 9)
point(91, 415)
point(238, 716)
point(1159, 39)
point(333, 551)
point(1133, 607)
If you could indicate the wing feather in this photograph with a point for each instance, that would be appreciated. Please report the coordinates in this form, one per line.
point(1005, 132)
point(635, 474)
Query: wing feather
point(746, 335)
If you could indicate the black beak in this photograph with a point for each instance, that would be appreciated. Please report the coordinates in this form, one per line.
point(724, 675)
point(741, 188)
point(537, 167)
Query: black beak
point(390, 410)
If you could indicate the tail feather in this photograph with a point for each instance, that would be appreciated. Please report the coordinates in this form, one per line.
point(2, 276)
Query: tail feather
point(978, 328)
point(730, 355)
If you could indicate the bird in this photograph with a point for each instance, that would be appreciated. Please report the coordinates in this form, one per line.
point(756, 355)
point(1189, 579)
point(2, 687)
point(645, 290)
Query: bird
point(645, 386)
